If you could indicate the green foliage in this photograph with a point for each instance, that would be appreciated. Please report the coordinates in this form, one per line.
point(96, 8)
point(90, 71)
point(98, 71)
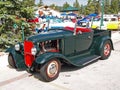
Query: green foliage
point(12, 14)
point(40, 3)
point(110, 6)
point(9, 33)
point(93, 6)
point(115, 6)
point(76, 4)
point(66, 5)
point(27, 12)
point(26, 9)
point(55, 7)
point(27, 3)
point(52, 6)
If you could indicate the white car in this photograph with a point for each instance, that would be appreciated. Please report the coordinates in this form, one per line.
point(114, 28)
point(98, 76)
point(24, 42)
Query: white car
point(62, 24)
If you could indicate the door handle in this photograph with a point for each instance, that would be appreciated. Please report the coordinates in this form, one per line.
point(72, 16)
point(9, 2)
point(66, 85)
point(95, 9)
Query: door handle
point(89, 37)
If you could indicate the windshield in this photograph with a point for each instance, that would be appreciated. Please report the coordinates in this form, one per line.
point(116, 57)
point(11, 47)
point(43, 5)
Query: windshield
point(96, 19)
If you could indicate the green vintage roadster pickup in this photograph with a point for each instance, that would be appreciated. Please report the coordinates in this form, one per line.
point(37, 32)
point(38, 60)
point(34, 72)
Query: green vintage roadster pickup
point(47, 51)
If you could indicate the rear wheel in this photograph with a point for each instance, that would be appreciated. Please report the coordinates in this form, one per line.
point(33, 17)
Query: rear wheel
point(11, 61)
point(50, 70)
point(106, 50)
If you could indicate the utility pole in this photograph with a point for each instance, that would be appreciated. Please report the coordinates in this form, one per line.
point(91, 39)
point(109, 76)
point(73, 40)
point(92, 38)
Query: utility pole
point(102, 13)
point(23, 27)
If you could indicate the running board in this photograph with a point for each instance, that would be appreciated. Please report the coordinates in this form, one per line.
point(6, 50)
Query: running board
point(81, 61)
point(91, 60)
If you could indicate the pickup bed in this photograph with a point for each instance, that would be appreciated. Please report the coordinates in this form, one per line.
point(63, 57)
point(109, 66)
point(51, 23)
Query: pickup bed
point(47, 51)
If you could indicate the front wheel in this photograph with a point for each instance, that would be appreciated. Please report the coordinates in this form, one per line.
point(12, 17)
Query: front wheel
point(106, 50)
point(11, 61)
point(50, 70)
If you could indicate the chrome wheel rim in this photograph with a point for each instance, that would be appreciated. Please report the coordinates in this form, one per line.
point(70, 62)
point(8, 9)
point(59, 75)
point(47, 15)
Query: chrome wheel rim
point(52, 69)
point(106, 49)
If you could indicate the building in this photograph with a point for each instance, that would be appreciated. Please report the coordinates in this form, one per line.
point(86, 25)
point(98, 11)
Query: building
point(70, 9)
point(46, 10)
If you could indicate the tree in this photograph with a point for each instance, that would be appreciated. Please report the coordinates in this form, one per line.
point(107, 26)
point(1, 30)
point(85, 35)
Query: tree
point(107, 6)
point(66, 5)
point(27, 3)
point(17, 7)
point(52, 6)
point(97, 7)
point(26, 9)
point(82, 9)
point(11, 14)
point(115, 6)
point(90, 7)
point(76, 4)
point(93, 6)
point(40, 3)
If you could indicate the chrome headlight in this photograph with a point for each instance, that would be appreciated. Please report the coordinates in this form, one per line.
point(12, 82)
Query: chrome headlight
point(17, 47)
point(33, 51)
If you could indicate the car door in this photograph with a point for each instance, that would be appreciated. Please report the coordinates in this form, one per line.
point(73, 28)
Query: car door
point(77, 43)
point(83, 41)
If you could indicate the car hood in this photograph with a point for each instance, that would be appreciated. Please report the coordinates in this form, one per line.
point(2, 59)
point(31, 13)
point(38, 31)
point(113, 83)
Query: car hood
point(49, 35)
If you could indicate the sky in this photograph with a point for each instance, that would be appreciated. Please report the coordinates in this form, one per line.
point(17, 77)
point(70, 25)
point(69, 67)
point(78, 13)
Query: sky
point(61, 2)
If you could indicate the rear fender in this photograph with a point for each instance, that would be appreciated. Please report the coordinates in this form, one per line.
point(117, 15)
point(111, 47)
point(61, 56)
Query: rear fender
point(99, 44)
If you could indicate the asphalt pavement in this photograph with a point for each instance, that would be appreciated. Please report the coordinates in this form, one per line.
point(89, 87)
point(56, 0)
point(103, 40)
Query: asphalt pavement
point(116, 36)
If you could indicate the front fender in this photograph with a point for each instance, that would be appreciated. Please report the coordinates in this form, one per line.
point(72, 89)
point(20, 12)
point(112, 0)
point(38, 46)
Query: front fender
point(18, 58)
point(47, 56)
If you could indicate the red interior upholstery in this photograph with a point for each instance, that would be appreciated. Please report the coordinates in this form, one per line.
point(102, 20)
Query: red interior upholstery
point(82, 29)
point(53, 50)
point(73, 20)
